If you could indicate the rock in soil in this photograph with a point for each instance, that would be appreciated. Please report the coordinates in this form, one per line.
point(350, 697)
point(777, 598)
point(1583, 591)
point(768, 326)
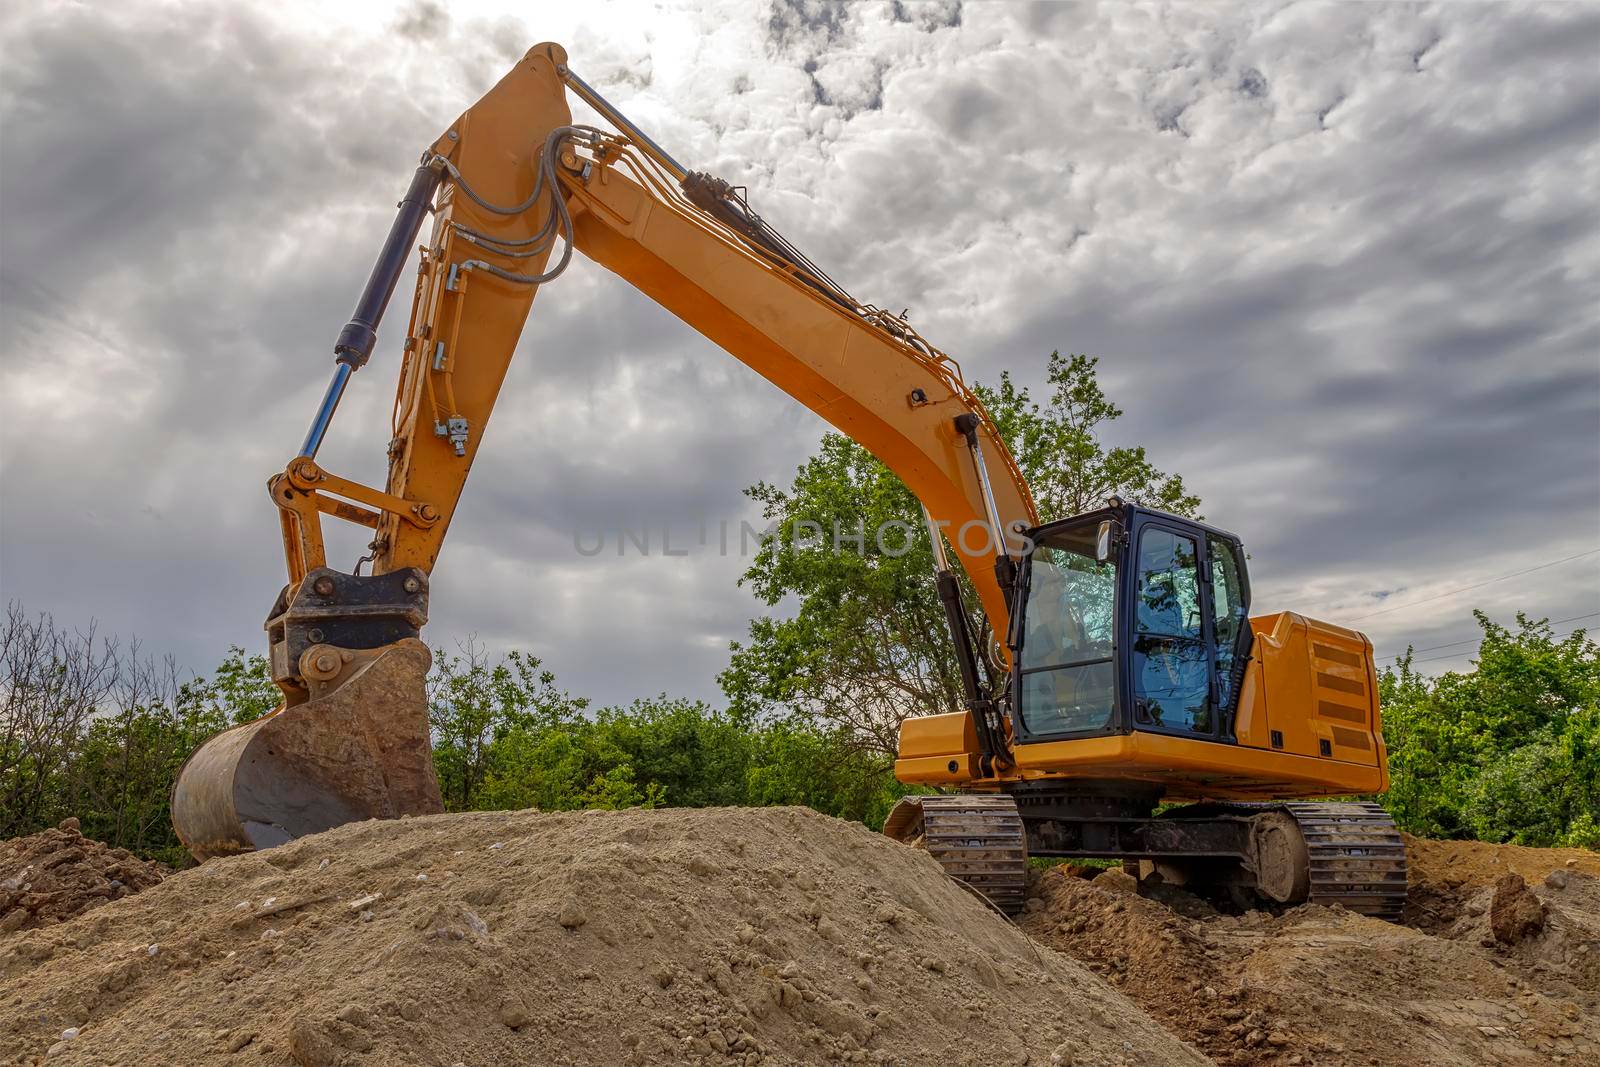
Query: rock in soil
point(1514, 912)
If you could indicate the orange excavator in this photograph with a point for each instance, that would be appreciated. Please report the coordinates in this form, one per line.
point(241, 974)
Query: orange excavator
point(1124, 672)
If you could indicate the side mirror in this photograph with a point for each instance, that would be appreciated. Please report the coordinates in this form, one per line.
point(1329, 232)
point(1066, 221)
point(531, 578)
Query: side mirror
point(1103, 539)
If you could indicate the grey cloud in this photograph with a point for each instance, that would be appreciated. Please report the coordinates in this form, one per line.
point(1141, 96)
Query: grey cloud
point(424, 20)
point(929, 16)
point(1355, 306)
point(805, 23)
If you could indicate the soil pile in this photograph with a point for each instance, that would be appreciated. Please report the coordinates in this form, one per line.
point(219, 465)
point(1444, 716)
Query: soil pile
point(1443, 875)
point(1510, 976)
point(719, 937)
point(51, 876)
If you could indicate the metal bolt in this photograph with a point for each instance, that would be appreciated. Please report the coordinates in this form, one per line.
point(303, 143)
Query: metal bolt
point(315, 636)
point(453, 135)
point(427, 511)
point(412, 585)
point(323, 586)
point(327, 663)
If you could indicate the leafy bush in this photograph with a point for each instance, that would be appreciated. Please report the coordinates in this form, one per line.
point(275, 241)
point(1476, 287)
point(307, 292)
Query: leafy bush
point(89, 727)
point(653, 753)
point(1507, 752)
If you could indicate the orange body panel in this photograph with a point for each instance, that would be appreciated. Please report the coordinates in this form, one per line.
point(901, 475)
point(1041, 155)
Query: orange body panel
point(1313, 682)
point(496, 145)
point(1191, 769)
point(938, 749)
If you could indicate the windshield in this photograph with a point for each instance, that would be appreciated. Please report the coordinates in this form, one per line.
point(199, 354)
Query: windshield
point(1068, 676)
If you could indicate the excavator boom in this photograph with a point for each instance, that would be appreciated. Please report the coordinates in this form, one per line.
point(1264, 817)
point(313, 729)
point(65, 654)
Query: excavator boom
point(508, 183)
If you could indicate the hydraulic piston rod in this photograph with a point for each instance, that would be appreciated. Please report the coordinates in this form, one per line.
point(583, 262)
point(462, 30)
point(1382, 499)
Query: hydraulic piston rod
point(587, 94)
point(356, 340)
point(967, 426)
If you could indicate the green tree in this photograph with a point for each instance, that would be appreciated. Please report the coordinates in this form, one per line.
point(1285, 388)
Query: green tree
point(866, 644)
point(684, 753)
point(239, 690)
point(53, 681)
point(1058, 446)
point(561, 767)
point(652, 752)
point(120, 781)
point(1508, 751)
point(472, 703)
point(694, 754)
point(94, 728)
point(795, 763)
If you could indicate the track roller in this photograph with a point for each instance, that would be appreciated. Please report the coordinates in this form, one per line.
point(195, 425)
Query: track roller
point(1356, 856)
point(977, 838)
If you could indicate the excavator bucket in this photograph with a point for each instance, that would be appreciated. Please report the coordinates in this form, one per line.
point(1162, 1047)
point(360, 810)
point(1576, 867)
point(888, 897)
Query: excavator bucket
point(357, 752)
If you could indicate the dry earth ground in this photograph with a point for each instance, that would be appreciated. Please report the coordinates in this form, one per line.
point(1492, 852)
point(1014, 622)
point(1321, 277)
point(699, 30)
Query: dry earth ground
point(1498, 963)
point(762, 936)
point(720, 936)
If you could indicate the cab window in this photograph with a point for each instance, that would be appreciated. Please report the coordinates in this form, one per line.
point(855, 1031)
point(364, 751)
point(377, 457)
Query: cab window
point(1228, 598)
point(1171, 668)
point(1067, 666)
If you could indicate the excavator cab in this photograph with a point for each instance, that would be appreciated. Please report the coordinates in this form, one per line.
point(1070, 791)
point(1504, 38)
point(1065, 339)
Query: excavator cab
point(1130, 619)
point(1135, 660)
point(1138, 679)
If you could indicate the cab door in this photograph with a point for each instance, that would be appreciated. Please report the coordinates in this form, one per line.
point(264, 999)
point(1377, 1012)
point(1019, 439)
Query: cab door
point(1172, 669)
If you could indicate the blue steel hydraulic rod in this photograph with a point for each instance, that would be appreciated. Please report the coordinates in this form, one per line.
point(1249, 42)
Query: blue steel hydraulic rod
point(356, 340)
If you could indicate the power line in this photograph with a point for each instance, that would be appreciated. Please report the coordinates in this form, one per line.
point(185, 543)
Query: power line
point(1456, 655)
point(1476, 585)
point(1453, 655)
point(1479, 638)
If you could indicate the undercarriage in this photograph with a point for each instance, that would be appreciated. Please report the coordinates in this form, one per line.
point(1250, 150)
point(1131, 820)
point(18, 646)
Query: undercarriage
point(1285, 852)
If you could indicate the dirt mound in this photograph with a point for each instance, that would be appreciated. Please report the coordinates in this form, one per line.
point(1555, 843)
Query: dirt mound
point(1482, 863)
point(1174, 957)
point(1443, 875)
point(1145, 947)
point(51, 876)
point(717, 937)
point(1326, 986)
point(1546, 933)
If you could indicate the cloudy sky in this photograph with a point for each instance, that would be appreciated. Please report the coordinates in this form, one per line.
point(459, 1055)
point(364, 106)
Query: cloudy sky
point(1340, 262)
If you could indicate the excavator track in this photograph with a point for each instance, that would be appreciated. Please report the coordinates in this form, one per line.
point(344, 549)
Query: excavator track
point(1357, 857)
point(977, 838)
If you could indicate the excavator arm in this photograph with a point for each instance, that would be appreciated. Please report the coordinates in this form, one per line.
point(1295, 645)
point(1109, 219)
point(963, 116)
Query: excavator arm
point(699, 255)
point(514, 189)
